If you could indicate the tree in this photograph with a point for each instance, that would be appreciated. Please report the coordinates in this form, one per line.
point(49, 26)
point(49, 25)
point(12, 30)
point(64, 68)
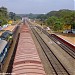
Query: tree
point(51, 21)
point(59, 19)
point(12, 15)
point(3, 15)
point(69, 18)
point(58, 25)
point(55, 23)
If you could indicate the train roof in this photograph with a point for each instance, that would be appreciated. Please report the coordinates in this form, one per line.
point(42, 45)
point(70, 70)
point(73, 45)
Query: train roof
point(2, 45)
point(6, 34)
point(27, 60)
point(1, 31)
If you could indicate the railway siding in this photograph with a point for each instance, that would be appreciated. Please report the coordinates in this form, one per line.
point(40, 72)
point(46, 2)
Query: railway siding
point(61, 55)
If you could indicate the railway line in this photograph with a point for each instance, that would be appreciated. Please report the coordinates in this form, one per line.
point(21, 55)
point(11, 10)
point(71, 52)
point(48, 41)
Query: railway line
point(54, 62)
point(66, 48)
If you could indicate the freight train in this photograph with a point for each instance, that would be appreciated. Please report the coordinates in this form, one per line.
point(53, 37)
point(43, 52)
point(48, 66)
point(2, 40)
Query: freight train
point(27, 60)
point(6, 39)
point(5, 42)
point(3, 50)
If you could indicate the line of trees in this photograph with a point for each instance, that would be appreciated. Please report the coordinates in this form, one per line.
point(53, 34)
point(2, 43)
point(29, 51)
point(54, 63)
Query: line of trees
point(59, 20)
point(5, 16)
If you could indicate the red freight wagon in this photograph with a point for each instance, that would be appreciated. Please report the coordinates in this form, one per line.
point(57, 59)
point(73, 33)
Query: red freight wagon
point(27, 61)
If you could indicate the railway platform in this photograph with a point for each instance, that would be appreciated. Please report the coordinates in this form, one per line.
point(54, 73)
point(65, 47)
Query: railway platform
point(68, 37)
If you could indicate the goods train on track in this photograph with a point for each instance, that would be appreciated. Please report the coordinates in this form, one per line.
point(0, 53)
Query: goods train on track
point(5, 42)
point(27, 61)
point(6, 39)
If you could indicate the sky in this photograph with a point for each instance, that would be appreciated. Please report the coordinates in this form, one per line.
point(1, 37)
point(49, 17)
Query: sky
point(37, 6)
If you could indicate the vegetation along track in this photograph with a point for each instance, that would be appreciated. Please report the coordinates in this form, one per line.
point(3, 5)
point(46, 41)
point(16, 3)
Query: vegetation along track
point(54, 62)
point(60, 43)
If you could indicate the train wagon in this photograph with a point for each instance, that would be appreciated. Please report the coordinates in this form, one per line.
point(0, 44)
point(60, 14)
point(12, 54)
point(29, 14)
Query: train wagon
point(8, 36)
point(3, 50)
point(27, 60)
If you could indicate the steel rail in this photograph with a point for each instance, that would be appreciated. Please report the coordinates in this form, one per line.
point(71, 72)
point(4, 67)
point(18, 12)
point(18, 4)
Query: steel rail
point(54, 62)
point(62, 45)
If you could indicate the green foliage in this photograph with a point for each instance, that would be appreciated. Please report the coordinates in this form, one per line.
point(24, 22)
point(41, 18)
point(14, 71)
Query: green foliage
point(55, 23)
point(58, 25)
point(12, 16)
point(18, 18)
point(3, 15)
point(42, 16)
point(51, 20)
point(57, 19)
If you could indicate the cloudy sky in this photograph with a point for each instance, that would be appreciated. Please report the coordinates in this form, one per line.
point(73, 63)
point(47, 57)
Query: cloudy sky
point(36, 6)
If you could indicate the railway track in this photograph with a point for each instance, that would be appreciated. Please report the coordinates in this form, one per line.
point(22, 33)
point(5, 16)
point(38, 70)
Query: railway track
point(66, 48)
point(53, 60)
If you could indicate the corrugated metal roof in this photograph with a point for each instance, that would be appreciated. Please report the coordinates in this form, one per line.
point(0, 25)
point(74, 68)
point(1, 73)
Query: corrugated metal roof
point(2, 45)
point(29, 68)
